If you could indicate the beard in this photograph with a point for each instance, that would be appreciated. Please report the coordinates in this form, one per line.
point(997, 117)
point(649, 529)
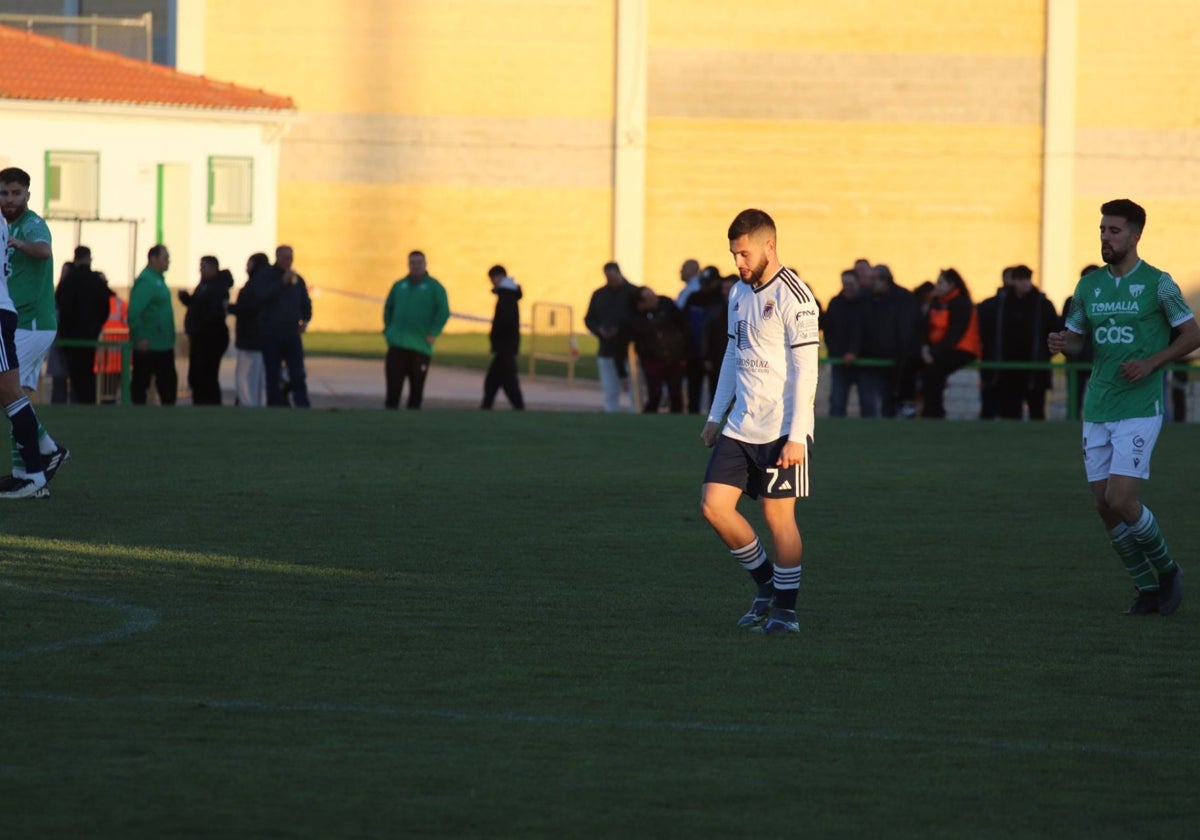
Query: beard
point(1112, 256)
point(756, 273)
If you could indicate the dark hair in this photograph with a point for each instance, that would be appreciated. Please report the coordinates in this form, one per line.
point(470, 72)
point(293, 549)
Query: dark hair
point(849, 272)
point(257, 260)
point(612, 266)
point(748, 222)
point(225, 278)
point(412, 254)
point(83, 252)
point(956, 280)
point(1022, 272)
point(14, 175)
point(156, 251)
point(497, 271)
point(212, 261)
point(886, 273)
point(1127, 210)
point(1088, 269)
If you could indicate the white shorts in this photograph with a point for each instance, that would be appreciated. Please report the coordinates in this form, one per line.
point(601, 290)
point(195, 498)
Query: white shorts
point(1122, 447)
point(32, 347)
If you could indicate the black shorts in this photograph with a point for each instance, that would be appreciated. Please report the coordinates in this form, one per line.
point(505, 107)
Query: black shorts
point(8, 341)
point(750, 467)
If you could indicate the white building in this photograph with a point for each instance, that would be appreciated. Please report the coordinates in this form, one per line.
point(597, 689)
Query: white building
point(124, 154)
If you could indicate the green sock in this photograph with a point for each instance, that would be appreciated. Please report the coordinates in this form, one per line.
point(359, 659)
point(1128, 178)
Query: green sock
point(1150, 541)
point(1131, 554)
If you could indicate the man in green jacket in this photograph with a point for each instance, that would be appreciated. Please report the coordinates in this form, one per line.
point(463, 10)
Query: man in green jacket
point(152, 330)
point(413, 317)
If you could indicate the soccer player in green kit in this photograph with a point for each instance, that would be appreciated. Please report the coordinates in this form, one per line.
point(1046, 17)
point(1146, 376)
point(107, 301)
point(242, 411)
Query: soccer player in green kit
point(1129, 308)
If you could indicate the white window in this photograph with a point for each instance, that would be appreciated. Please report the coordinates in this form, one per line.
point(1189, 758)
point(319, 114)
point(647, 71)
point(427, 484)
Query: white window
point(231, 190)
point(73, 185)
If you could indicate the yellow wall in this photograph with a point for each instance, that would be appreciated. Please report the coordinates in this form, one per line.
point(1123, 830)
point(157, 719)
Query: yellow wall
point(906, 133)
point(1139, 128)
point(481, 131)
point(478, 131)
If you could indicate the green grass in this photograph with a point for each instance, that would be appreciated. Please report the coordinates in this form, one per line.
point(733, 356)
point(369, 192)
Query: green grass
point(469, 350)
point(363, 624)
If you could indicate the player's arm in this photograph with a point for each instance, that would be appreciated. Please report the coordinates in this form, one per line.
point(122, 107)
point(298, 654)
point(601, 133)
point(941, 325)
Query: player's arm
point(1188, 341)
point(803, 363)
point(37, 250)
point(1066, 341)
point(723, 398)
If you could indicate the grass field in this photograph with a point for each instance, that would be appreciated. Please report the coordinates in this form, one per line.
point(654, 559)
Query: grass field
point(450, 624)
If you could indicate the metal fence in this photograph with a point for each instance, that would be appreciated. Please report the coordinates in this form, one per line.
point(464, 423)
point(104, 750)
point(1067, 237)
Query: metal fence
point(131, 37)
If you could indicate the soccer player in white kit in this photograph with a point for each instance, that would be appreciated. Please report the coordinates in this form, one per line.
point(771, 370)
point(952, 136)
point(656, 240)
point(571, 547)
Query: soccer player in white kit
point(765, 395)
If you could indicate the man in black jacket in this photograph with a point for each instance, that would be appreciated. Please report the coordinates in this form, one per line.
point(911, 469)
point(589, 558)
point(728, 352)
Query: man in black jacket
point(284, 310)
point(207, 332)
point(82, 300)
point(506, 341)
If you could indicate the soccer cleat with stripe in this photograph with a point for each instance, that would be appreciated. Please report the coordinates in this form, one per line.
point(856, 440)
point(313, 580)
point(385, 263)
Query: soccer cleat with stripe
point(1170, 591)
point(780, 623)
point(757, 613)
point(1146, 603)
point(55, 460)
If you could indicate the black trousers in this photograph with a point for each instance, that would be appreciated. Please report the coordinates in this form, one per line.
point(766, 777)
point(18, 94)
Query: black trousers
point(204, 368)
point(502, 374)
point(695, 384)
point(402, 365)
point(933, 382)
point(1014, 390)
point(158, 365)
point(81, 370)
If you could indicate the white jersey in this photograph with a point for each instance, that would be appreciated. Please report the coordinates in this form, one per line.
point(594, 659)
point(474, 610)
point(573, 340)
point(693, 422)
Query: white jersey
point(768, 381)
point(5, 269)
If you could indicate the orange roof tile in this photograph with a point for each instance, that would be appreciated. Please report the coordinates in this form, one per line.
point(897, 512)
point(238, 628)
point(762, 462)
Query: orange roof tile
point(34, 67)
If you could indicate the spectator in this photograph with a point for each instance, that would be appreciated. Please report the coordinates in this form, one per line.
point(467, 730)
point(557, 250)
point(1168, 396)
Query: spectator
point(414, 315)
point(505, 339)
point(207, 332)
point(695, 313)
point(890, 333)
point(152, 331)
point(842, 324)
point(1025, 319)
point(249, 375)
point(689, 274)
point(952, 339)
point(660, 337)
point(990, 316)
point(608, 315)
point(82, 298)
point(716, 334)
point(1087, 354)
point(284, 310)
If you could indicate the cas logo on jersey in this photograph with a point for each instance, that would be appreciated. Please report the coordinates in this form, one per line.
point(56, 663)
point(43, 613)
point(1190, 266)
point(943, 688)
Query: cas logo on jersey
point(1112, 334)
point(768, 310)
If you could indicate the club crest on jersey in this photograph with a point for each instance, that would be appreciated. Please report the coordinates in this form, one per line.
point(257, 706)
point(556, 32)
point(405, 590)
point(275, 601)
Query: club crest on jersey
point(1136, 290)
point(768, 310)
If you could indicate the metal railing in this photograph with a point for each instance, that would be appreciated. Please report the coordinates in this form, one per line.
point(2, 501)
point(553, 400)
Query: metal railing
point(1072, 371)
point(132, 37)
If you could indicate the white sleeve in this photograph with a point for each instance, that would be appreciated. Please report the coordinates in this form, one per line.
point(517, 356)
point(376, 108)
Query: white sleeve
point(804, 341)
point(802, 364)
point(723, 397)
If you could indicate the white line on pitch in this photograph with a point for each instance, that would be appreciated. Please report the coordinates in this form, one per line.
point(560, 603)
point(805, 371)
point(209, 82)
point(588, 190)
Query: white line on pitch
point(137, 620)
point(570, 721)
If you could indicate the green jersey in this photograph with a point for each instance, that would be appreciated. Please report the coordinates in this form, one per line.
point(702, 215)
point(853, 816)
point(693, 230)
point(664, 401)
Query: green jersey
point(31, 283)
point(1128, 318)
